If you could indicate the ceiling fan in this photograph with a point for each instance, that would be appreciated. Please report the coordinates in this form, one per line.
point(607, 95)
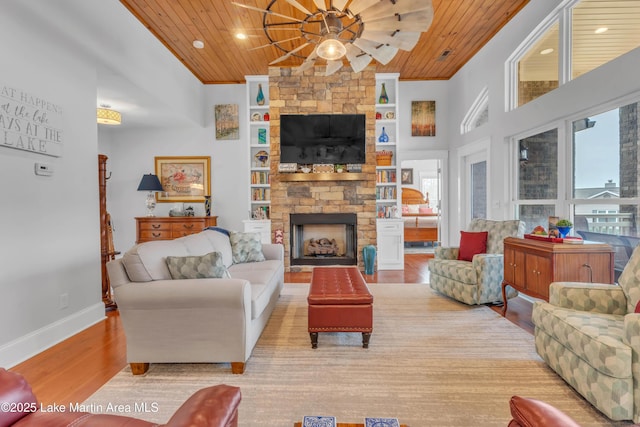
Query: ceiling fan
point(361, 30)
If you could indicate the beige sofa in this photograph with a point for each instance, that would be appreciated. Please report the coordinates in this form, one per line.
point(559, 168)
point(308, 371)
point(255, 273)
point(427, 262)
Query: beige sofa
point(201, 320)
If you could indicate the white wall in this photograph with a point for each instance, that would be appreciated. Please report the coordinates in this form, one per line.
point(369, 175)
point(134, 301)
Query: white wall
point(49, 226)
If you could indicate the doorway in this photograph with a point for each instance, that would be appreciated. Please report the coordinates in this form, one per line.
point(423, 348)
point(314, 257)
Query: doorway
point(422, 190)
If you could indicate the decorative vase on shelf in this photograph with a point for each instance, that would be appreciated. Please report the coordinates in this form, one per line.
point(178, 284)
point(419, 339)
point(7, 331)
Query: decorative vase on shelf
point(260, 97)
point(207, 205)
point(383, 136)
point(384, 98)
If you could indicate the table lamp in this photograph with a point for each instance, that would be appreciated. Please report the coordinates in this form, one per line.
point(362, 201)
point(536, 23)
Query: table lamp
point(150, 183)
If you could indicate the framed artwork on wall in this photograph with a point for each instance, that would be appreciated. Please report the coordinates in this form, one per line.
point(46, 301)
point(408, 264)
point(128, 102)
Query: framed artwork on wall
point(184, 179)
point(423, 118)
point(406, 176)
point(227, 121)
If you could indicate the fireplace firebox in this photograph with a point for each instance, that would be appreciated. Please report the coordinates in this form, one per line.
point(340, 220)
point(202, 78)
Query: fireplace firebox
point(323, 239)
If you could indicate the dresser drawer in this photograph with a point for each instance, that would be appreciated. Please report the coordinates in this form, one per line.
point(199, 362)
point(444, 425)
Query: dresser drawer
point(155, 226)
point(186, 228)
point(146, 235)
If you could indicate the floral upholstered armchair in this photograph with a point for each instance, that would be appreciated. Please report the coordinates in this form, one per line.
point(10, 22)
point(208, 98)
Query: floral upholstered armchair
point(589, 333)
point(475, 279)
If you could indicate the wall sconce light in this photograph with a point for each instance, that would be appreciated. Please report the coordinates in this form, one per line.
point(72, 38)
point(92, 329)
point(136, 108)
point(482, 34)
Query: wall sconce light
point(150, 183)
point(524, 155)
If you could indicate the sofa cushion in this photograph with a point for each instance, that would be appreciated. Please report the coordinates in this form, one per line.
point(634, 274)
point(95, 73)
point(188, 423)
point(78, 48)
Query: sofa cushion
point(263, 277)
point(472, 243)
point(460, 271)
point(219, 243)
point(246, 247)
point(595, 338)
point(197, 266)
point(146, 262)
point(629, 280)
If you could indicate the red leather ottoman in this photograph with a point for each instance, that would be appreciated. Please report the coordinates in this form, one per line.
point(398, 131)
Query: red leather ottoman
point(339, 301)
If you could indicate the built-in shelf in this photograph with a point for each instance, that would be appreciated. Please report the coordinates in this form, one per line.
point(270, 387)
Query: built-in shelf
point(344, 176)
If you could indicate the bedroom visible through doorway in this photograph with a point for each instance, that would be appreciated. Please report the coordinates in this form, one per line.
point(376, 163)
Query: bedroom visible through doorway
point(421, 195)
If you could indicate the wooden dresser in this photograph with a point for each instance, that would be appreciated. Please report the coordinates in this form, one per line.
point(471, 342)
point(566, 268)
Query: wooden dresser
point(531, 265)
point(169, 228)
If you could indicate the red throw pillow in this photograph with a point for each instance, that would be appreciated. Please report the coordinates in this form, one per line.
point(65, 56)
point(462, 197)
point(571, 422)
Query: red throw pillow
point(637, 310)
point(472, 244)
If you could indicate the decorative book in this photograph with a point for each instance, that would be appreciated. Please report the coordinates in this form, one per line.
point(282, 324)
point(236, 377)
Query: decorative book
point(381, 422)
point(315, 421)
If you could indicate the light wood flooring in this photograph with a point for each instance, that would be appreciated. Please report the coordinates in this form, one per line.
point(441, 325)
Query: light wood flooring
point(73, 370)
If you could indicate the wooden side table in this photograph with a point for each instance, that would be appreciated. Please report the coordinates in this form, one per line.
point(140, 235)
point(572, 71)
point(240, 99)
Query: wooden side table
point(169, 228)
point(531, 265)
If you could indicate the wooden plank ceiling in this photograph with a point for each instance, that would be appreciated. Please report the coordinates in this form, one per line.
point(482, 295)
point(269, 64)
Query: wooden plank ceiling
point(460, 27)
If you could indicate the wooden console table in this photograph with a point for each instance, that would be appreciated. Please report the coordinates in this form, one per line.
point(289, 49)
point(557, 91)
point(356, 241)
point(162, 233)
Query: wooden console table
point(169, 228)
point(531, 265)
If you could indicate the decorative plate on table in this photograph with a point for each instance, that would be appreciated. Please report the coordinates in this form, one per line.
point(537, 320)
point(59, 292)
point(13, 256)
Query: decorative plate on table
point(381, 422)
point(313, 421)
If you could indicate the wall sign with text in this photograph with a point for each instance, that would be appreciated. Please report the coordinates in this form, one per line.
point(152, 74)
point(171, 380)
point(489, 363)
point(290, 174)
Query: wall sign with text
point(30, 123)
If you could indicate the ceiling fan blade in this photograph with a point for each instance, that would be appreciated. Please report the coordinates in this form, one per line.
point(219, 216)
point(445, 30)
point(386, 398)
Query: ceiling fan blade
point(383, 54)
point(357, 58)
point(275, 42)
point(268, 12)
point(404, 40)
point(399, 7)
point(340, 4)
point(332, 67)
point(358, 6)
point(288, 54)
point(320, 4)
point(298, 6)
point(308, 63)
point(415, 21)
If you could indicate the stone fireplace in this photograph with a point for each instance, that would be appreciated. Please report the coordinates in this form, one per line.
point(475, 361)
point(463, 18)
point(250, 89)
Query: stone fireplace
point(344, 92)
point(323, 239)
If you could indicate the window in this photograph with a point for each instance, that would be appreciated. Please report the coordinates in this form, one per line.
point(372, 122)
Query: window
point(593, 31)
point(538, 68)
point(478, 114)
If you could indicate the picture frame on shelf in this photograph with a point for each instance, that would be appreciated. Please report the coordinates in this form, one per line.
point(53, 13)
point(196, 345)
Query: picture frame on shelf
point(406, 176)
point(183, 178)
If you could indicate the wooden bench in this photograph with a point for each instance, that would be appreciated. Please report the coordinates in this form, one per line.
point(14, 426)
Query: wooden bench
point(339, 301)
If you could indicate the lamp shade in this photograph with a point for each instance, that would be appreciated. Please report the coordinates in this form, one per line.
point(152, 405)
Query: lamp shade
point(150, 182)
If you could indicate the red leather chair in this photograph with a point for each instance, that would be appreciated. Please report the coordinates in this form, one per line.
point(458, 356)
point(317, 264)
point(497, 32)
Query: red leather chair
point(215, 406)
point(528, 412)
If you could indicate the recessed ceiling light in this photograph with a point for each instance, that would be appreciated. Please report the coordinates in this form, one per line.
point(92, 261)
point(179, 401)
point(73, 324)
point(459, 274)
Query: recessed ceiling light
point(198, 44)
point(241, 36)
point(601, 30)
point(546, 51)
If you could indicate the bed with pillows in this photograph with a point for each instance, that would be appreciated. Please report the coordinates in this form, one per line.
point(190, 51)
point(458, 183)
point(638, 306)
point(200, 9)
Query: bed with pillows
point(420, 222)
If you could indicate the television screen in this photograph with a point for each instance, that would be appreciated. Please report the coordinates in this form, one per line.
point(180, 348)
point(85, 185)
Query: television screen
point(322, 138)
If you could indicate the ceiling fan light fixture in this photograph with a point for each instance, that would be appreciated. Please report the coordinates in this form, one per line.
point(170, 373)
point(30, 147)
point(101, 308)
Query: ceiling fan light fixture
point(107, 116)
point(331, 50)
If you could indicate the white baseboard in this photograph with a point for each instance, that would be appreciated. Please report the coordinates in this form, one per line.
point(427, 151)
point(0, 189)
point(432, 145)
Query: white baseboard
point(29, 345)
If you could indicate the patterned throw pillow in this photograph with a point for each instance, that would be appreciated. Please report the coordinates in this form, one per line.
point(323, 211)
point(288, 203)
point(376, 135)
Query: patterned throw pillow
point(197, 267)
point(246, 247)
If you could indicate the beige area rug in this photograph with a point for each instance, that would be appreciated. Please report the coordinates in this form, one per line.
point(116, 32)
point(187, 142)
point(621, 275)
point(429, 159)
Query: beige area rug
point(431, 362)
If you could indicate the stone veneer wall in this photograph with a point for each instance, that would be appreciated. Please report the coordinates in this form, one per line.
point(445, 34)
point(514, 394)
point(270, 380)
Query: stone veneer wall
point(344, 92)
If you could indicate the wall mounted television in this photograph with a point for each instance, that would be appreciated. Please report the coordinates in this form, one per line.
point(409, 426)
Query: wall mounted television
point(322, 138)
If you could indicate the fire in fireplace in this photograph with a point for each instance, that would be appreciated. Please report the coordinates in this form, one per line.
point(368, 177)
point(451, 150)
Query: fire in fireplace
point(323, 239)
